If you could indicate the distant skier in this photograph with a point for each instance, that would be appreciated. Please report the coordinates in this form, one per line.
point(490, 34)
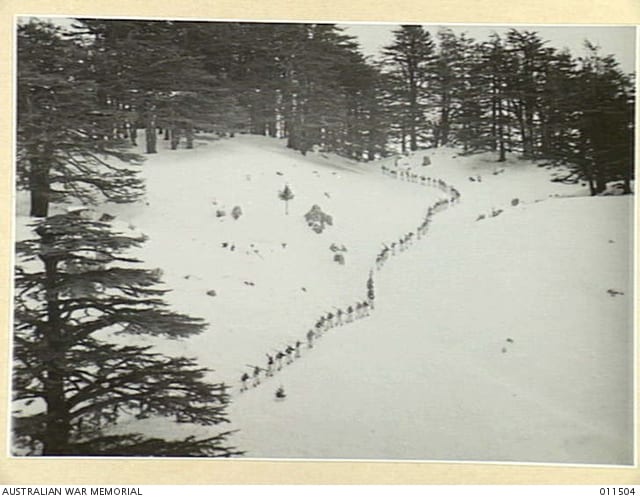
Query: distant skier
point(245, 380)
point(339, 314)
point(330, 317)
point(279, 357)
point(350, 314)
point(310, 336)
point(270, 365)
point(256, 376)
point(289, 351)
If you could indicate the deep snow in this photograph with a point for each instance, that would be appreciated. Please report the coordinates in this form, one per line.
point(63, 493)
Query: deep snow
point(492, 339)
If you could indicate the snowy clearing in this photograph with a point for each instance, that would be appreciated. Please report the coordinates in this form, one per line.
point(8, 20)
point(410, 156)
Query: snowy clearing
point(498, 336)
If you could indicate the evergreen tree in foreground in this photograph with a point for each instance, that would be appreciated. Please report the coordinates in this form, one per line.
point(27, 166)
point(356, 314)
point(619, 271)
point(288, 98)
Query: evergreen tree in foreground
point(76, 374)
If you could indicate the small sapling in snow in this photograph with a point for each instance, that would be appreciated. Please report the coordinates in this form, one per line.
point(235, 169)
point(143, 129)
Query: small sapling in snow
point(286, 195)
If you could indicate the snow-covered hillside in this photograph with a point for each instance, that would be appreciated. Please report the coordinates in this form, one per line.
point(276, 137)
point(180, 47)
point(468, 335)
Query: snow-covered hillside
point(504, 334)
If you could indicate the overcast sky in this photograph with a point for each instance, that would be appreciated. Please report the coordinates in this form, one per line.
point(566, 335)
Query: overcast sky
point(617, 40)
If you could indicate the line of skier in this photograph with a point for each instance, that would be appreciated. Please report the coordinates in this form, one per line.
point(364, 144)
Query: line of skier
point(283, 357)
point(280, 358)
point(403, 242)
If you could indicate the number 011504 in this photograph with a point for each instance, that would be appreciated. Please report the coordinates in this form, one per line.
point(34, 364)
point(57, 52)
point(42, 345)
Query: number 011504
point(617, 491)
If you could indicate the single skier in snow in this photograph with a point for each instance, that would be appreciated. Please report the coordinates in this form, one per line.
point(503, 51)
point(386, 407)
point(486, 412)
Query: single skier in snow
point(330, 318)
point(350, 314)
point(358, 311)
point(318, 328)
point(270, 364)
point(297, 349)
point(365, 308)
point(289, 352)
point(256, 376)
point(310, 337)
point(339, 314)
point(279, 357)
point(245, 380)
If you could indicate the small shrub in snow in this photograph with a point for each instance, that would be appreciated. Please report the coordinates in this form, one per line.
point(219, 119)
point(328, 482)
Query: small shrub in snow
point(220, 213)
point(317, 219)
point(515, 202)
point(236, 212)
point(211, 292)
point(426, 161)
point(339, 257)
point(286, 195)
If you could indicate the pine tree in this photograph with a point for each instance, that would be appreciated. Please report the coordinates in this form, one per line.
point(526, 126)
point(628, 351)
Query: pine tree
point(66, 145)
point(286, 195)
point(447, 82)
point(528, 58)
point(159, 70)
point(600, 138)
point(409, 60)
point(74, 379)
point(497, 63)
point(472, 127)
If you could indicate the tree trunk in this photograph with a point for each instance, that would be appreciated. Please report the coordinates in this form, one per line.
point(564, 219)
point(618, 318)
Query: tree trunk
point(134, 135)
point(601, 184)
point(189, 135)
point(39, 180)
point(57, 423)
point(39, 187)
point(150, 132)
point(494, 119)
point(175, 138)
point(444, 120)
point(501, 146)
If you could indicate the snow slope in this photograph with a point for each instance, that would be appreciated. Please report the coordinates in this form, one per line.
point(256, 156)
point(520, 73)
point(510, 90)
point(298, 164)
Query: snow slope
point(492, 339)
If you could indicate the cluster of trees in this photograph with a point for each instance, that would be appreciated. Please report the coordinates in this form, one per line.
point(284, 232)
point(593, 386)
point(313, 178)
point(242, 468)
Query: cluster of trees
point(81, 302)
point(512, 93)
point(83, 95)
